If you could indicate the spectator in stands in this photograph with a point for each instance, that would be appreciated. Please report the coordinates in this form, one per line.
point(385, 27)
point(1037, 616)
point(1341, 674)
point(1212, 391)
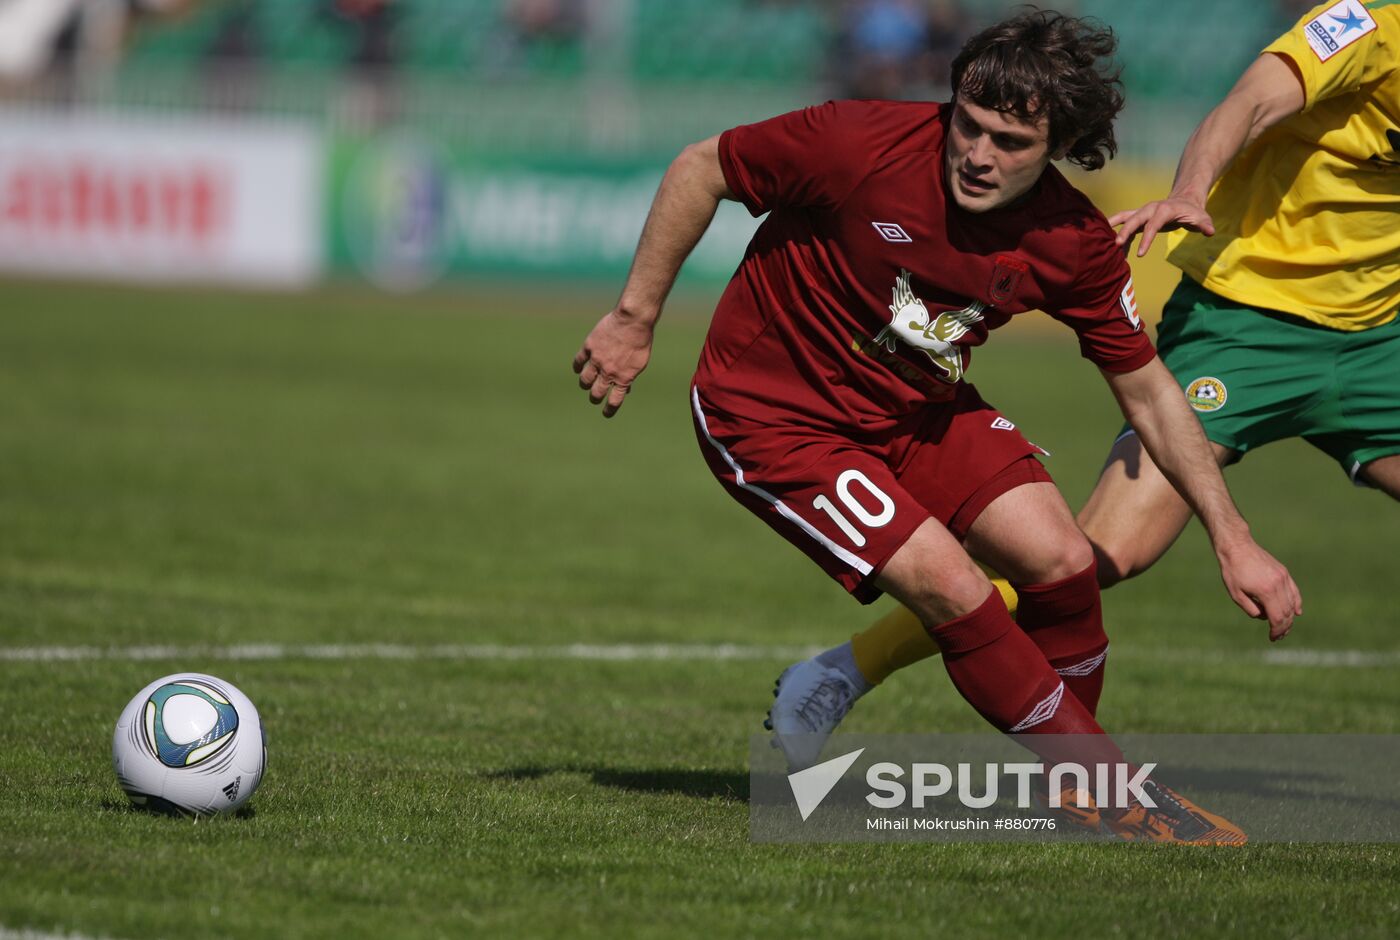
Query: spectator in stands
point(230, 73)
point(947, 29)
point(29, 34)
point(882, 47)
point(66, 40)
point(535, 31)
point(546, 19)
point(370, 97)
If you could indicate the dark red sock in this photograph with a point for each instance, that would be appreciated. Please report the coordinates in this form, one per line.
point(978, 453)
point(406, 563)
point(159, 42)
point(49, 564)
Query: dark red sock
point(1008, 680)
point(1065, 620)
point(1006, 677)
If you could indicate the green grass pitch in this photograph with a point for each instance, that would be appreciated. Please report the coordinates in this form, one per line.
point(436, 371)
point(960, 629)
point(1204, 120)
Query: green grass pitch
point(201, 469)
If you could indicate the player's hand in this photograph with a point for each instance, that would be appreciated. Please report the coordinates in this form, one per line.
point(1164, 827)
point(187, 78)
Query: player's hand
point(1261, 586)
point(1164, 215)
point(612, 356)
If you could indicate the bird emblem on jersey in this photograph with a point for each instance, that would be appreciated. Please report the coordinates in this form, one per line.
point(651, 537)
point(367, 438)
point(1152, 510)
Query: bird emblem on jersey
point(936, 336)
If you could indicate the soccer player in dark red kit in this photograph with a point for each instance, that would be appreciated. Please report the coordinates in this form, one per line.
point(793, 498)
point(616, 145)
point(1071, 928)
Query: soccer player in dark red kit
point(831, 397)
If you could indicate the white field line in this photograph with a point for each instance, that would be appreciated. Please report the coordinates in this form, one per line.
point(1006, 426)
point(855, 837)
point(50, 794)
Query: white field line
point(633, 652)
point(616, 652)
point(8, 933)
point(1345, 658)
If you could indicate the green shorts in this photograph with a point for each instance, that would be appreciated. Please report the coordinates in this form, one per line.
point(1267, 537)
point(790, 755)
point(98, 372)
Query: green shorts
point(1255, 376)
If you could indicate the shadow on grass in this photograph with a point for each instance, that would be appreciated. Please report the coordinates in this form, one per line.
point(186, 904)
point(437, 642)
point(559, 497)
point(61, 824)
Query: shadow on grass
point(731, 786)
point(126, 807)
point(1304, 789)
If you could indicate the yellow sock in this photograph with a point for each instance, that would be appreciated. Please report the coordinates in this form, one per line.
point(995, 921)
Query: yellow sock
point(899, 639)
point(1007, 592)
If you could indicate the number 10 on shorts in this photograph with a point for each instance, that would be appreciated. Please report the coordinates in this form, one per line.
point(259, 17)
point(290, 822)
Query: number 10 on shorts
point(856, 507)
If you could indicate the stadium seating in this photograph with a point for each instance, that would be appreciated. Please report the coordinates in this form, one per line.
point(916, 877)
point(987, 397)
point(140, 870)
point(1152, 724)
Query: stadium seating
point(684, 40)
point(675, 70)
point(729, 40)
point(1189, 48)
point(1195, 51)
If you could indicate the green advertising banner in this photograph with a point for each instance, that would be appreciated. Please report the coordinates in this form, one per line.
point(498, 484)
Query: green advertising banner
point(406, 213)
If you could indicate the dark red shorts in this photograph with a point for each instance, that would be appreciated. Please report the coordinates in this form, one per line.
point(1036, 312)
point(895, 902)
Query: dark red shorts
point(850, 503)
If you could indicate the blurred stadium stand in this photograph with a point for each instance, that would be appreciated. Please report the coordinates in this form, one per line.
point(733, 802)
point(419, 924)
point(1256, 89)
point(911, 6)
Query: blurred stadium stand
point(612, 75)
point(414, 140)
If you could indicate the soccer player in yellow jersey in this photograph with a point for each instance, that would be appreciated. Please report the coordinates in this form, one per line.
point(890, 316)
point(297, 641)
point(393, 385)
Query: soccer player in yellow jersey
point(1285, 221)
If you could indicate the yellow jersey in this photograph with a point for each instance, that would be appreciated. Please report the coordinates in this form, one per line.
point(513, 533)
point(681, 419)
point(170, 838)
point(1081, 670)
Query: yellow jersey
point(1307, 217)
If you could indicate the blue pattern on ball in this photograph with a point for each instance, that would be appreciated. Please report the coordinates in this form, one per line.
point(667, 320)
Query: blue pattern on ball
point(176, 755)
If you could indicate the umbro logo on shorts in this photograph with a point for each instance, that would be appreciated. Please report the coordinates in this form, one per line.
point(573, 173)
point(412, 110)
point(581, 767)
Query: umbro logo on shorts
point(891, 232)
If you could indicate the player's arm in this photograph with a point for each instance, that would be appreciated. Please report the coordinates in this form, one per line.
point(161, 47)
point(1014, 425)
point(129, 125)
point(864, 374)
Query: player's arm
point(618, 348)
point(1153, 404)
point(1269, 91)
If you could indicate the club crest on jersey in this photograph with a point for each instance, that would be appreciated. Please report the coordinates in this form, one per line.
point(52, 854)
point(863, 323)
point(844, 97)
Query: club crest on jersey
point(1207, 394)
point(936, 336)
point(1006, 277)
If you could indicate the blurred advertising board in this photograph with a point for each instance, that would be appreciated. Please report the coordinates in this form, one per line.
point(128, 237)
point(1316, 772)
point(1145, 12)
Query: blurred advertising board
point(406, 213)
point(147, 199)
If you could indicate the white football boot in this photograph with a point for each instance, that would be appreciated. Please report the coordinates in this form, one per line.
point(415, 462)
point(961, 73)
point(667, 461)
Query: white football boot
point(810, 699)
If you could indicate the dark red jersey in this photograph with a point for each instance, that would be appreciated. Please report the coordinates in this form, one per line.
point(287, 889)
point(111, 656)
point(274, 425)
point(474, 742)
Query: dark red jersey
point(862, 294)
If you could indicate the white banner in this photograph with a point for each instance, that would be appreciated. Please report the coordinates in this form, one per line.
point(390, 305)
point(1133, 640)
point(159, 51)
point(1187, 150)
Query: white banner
point(160, 199)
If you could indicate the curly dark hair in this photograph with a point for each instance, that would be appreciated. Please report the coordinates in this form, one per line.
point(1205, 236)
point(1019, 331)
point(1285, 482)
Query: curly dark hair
point(1041, 62)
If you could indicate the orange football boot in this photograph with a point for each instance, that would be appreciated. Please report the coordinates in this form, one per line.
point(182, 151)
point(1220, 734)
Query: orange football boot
point(1174, 819)
point(1077, 807)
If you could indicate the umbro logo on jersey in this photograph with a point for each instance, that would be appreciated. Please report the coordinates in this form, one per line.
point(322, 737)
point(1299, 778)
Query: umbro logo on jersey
point(1001, 424)
point(891, 232)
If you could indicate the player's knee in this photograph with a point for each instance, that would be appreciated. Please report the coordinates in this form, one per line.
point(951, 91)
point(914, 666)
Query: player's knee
point(1116, 563)
point(982, 626)
point(1070, 554)
point(936, 597)
point(951, 600)
point(1384, 475)
point(1109, 570)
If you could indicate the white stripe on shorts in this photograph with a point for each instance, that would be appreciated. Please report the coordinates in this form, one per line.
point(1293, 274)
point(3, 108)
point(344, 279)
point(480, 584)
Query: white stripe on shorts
point(863, 567)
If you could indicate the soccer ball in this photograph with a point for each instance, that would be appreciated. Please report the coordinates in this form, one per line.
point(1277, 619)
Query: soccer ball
point(189, 744)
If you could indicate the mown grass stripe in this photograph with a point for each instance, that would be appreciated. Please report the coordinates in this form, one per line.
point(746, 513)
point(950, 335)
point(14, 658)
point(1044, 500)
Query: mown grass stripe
point(638, 652)
point(7, 933)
